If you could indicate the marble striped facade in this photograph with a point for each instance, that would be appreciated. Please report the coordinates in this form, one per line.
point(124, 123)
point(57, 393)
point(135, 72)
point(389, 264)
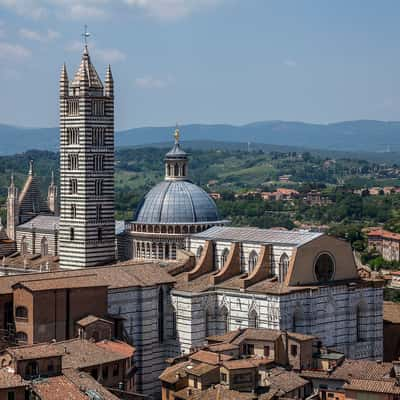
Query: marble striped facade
point(140, 309)
point(87, 224)
point(345, 316)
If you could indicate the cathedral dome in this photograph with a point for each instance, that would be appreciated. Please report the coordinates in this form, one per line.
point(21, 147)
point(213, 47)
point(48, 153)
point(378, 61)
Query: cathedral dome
point(176, 201)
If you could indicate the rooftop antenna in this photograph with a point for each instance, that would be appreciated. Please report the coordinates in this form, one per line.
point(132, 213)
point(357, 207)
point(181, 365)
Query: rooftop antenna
point(85, 35)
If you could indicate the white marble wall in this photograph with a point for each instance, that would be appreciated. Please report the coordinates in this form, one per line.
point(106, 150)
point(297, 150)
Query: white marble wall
point(139, 307)
point(329, 313)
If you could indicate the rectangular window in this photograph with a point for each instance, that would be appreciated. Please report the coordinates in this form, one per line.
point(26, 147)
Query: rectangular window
point(98, 162)
point(98, 136)
point(99, 210)
point(242, 378)
point(73, 161)
point(98, 187)
point(116, 370)
point(73, 107)
point(105, 372)
point(248, 349)
point(11, 395)
point(73, 135)
point(266, 351)
point(293, 350)
point(73, 186)
point(72, 234)
point(223, 377)
point(98, 108)
point(73, 211)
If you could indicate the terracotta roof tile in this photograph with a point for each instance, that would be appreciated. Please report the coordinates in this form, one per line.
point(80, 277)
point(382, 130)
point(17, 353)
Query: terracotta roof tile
point(384, 234)
point(376, 386)
point(70, 282)
point(123, 275)
point(116, 346)
point(285, 381)
point(258, 334)
point(218, 392)
point(90, 319)
point(239, 364)
point(171, 374)
point(201, 369)
point(35, 351)
point(81, 353)
point(84, 380)
point(362, 369)
point(58, 388)
point(209, 357)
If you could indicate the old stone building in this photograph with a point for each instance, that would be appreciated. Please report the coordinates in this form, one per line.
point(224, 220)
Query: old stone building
point(300, 281)
point(386, 243)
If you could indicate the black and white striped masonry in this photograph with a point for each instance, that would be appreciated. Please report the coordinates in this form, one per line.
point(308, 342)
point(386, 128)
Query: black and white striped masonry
point(87, 224)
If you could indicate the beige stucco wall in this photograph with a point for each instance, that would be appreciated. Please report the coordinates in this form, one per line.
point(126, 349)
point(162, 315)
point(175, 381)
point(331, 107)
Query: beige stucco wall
point(301, 269)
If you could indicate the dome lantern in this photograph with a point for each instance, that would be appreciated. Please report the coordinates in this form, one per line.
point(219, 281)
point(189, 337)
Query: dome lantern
point(176, 161)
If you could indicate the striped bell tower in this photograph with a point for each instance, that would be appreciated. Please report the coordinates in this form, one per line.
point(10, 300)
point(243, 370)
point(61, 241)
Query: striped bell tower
point(87, 224)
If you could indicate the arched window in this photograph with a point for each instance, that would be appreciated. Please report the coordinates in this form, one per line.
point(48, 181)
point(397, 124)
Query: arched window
point(99, 234)
point(253, 258)
point(24, 246)
point(361, 322)
point(21, 337)
point(44, 246)
point(253, 319)
point(199, 252)
point(72, 234)
point(161, 315)
point(224, 257)
point(21, 312)
point(176, 170)
point(224, 319)
point(283, 267)
point(184, 170)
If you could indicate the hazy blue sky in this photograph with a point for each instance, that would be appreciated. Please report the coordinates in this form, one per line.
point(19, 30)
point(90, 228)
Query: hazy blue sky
point(211, 61)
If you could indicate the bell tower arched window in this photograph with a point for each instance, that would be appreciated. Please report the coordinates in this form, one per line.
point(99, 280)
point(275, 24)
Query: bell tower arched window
point(224, 257)
point(283, 267)
point(253, 258)
point(253, 319)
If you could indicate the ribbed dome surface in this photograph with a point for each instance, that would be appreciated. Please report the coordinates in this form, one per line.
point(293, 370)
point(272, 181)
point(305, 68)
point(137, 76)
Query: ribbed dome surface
point(176, 202)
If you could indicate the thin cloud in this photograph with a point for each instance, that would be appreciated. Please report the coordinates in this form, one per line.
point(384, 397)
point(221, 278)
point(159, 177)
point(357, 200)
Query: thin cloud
point(290, 63)
point(13, 52)
point(38, 36)
point(101, 9)
point(110, 55)
point(149, 82)
point(170, 9)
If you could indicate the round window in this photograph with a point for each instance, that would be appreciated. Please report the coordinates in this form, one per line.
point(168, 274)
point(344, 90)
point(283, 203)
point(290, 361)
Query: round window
point(324, 267)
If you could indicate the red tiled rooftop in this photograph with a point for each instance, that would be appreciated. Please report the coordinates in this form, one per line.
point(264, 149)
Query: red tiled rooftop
point(209, 357)
point(116, 346)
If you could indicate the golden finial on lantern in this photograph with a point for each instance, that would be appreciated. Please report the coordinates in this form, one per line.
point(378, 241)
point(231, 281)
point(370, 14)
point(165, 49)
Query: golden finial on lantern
point(176, 134)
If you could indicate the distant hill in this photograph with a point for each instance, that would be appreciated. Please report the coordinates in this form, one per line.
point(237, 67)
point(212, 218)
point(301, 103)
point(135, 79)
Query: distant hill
point(364, 135)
